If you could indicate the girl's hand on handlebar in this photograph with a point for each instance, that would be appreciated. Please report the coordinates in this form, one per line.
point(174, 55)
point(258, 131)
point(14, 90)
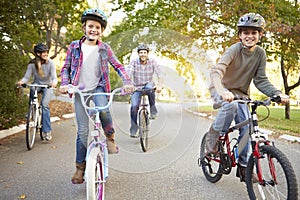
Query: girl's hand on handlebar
point(63, 89)
point(227, 96)
point(158, 88)
point(129, 88)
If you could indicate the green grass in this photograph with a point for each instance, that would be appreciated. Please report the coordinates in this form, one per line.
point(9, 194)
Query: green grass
point(275, 122)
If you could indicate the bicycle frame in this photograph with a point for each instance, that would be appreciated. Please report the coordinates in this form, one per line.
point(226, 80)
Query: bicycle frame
point(268, 175)
point(256, 136)
point(97, 155)
point(34, 117)
point(144, 119)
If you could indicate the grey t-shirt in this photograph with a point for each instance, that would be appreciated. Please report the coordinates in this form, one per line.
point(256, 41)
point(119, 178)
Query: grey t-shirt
point(49, 77)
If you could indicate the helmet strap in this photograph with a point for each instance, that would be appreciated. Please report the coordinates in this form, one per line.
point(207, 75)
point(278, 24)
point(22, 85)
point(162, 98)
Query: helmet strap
point(88, 38)
point(40, 57)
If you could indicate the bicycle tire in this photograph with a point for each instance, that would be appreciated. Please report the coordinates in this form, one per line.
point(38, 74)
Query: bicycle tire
point(31, 126)
point(94, 174)
point(143, 129)
point(279, 179)
point(210, 167)
point(40, 124)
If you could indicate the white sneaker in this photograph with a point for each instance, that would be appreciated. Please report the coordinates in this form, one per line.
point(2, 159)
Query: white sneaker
point(47, 136)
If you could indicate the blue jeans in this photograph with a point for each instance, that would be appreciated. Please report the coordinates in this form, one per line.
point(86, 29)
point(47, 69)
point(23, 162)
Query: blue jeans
point(226, 114)
point(135, 104)
point(83, 123)
point(46, 98)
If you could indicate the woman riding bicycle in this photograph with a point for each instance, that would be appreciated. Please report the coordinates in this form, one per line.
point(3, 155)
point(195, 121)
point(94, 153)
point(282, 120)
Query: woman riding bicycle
point(43, 71)
point(241, 63)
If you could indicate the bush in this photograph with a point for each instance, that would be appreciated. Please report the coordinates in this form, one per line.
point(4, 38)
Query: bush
point(12, 106)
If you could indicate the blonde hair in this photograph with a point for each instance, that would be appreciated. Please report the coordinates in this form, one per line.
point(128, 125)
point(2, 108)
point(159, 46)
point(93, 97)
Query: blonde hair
point(38, 67)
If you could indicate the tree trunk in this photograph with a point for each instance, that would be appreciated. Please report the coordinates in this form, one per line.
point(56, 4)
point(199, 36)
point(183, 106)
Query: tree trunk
point(287, 111)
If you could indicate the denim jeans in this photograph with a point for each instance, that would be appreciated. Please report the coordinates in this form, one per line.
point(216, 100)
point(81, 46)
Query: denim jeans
point(83, 123)
point(226, 114)
point(135, 104)
point(46, 98)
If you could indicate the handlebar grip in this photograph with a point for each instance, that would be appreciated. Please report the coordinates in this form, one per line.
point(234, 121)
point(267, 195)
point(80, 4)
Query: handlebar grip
point(276, 99)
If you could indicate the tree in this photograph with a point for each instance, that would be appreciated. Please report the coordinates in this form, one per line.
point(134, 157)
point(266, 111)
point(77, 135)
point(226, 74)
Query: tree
point(24, 23)
point(214, 24)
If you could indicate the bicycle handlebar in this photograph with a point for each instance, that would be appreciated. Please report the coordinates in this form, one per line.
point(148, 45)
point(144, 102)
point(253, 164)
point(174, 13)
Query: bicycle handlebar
point(145, 89)
point(77, 89)
point(24, 85)
point(266, 102)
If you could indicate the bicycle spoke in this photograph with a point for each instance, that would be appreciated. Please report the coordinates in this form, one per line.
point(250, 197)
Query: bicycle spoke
point(277, 176)
point(210, 164)
point(143, 126)
point(31, 126)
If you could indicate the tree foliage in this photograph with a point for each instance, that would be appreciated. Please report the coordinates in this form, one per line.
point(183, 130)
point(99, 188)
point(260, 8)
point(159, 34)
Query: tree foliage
point(213, 22)
point(25, 23)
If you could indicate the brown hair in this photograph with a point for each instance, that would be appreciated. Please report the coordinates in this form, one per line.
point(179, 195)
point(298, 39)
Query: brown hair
point(38, 66)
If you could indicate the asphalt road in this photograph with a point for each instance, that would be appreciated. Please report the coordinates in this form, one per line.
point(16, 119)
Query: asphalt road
point(169, 170)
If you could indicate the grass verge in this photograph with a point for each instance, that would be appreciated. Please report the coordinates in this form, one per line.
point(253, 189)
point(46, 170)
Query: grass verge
point(276, 121)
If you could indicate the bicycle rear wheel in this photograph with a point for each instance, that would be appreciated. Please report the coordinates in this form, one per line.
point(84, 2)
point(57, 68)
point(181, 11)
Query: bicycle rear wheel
point(31, 126)
point(94, 174)
point(279, 179)
point(210, 163)
point(143, 129)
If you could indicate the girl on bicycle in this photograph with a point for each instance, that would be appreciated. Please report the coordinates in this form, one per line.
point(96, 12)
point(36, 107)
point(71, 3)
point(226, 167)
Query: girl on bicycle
point(43, 71)
point(231, 76)
point(87, 64)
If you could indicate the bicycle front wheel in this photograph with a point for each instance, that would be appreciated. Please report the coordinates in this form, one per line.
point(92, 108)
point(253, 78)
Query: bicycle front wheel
point(31, 126)
point(143, 129)
point(40, 124)
point(94, 175)
point(210, 163)
point(278, 176)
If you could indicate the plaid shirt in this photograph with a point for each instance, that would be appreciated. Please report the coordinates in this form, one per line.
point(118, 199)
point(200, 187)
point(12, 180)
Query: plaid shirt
point(70, 72)
point(142, 74)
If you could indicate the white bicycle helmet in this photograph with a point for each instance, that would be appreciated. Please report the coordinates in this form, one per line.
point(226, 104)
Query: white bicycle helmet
point(95, 14)
point(253, 20)
point(143, 47)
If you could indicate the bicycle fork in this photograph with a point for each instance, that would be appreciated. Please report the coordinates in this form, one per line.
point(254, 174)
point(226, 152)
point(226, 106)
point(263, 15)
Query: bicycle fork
point(96, 143)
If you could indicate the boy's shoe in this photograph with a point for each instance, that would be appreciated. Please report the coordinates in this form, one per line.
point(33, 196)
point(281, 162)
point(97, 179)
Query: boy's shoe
point(211, 141)
point(47, 135)
point(241, 173)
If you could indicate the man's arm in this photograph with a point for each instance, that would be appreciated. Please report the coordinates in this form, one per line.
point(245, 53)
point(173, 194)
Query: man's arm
point(158, 72)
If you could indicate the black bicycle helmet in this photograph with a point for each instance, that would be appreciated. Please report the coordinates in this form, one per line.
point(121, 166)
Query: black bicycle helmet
point(252, 20)
point(40, 48)
point(143, 47)
point(95, 14)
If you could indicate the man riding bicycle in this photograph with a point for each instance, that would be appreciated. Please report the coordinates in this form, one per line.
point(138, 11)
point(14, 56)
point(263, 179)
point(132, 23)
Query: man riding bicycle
point(141, 70)
point(241, 63)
